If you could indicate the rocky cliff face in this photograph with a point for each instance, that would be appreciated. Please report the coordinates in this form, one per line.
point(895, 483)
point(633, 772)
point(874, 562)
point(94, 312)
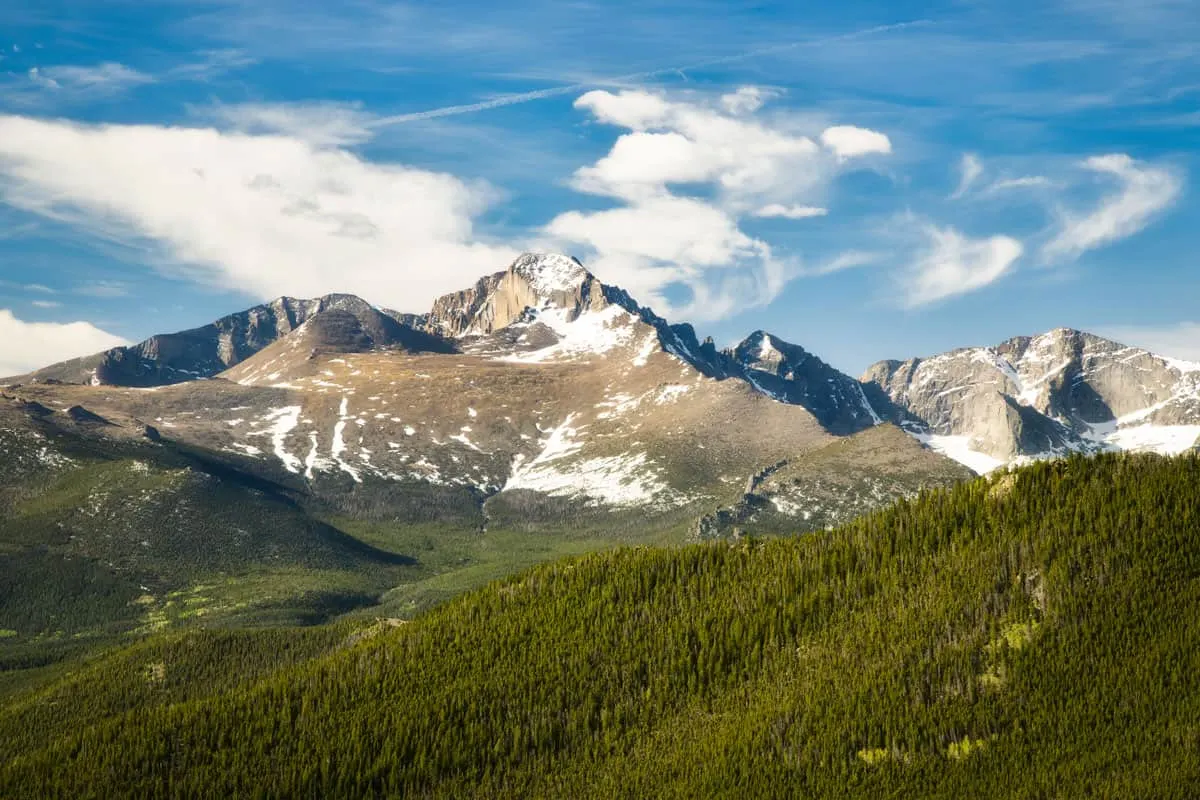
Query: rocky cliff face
point(1028, 397)
point(791, 374)
point(533, 281)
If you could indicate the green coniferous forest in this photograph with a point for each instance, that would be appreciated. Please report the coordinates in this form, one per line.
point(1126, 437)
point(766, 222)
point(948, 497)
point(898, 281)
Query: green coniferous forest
point(1032, 635)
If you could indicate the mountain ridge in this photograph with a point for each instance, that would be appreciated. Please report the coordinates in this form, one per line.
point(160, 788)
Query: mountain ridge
point(990, 407)
point(1040, 396)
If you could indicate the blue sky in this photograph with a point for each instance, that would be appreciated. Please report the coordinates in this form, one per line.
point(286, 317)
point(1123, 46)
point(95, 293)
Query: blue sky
point(869, 180)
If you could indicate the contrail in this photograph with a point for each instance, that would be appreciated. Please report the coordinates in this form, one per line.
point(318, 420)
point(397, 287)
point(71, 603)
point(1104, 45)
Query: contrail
point(541, 94)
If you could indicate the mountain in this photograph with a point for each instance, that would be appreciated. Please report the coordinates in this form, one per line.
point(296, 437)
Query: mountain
point(1028, 635)
point(354, 456)
point(203, 352)
point(790, 374)
point(1043, 396)
point(537, 393)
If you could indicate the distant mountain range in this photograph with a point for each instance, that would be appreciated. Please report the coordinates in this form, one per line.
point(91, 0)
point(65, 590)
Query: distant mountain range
point(1026, 398)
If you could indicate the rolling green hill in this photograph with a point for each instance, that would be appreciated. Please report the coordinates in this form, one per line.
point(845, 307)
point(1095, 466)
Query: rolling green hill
point(1031, 635)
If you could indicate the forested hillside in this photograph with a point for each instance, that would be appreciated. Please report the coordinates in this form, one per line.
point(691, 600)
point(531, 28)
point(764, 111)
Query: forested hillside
point(1032, 635)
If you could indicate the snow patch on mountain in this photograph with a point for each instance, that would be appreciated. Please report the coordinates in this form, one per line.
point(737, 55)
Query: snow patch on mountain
point(549, 273)
point(958, 448)
point(671, 393)
point(589, 334)
point(339, 443)
point(283, 421)
point(1168, 440)
point(624, 480)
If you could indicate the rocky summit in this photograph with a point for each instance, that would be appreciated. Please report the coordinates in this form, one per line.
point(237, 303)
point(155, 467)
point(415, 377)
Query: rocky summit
point(1041, 397)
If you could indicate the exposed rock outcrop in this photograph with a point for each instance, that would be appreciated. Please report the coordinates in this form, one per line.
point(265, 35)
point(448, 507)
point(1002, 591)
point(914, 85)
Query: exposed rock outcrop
point(1062, 391)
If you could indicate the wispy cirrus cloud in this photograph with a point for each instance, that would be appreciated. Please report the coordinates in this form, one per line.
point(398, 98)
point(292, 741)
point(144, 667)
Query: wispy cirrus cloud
point(56, 84)
point(951, 263)
point(105, 78)
point(327, 124)
point(1144, 191)
point(970, 168)
point(1022, 182)
point(205, 65)
point(102, 289)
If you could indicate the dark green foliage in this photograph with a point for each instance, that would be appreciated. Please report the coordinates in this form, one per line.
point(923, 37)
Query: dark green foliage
point(1028, 636)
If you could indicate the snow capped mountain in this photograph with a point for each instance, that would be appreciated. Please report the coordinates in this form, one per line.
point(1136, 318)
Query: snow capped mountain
point(542, 391)
point(536, 391)
point(1041, 396)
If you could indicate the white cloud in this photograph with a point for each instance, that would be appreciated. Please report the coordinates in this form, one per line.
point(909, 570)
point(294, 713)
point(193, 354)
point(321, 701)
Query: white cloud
point(790, 212)
point(686, 172)
point(274, 204)
point(1024, 182)
point(40, 79)
point(210, 64)
point(851, 259)
point(674, 143)
point(107, 77)
point(970, 168)
point(45, 303)
point(1181, 340)
point(746, 100)
point(847, 141)
point(663, 241)
point(102, 289)
point(265, 214)
point(26, 346)
point(319, 124)
point(953, 264)
point(1144, 192)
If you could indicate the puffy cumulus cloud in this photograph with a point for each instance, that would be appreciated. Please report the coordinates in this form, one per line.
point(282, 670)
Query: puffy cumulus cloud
point(673, 143)
point(669, 240)
point(847, 141)
point(953, 264)
point(686, 171)
point(1144, 191)
point(26, 346)
point(264, 214)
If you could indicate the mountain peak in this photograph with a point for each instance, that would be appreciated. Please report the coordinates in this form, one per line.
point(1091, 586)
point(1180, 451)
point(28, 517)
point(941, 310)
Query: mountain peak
point(533, 281)
point(550, 273)
point(1038, 396)
point(766, 351)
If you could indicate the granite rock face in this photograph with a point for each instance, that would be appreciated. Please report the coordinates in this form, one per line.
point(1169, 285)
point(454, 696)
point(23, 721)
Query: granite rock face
point(791, 374)
point(1064, 390)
